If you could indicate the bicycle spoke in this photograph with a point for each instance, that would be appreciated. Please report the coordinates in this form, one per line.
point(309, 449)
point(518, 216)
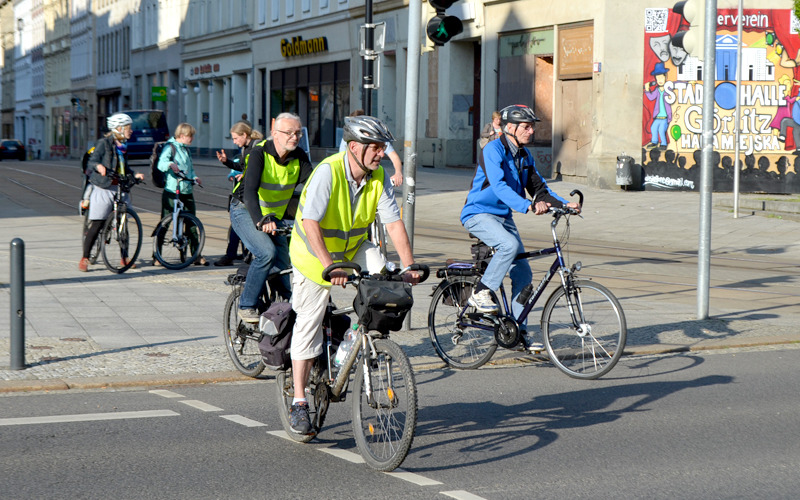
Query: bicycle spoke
point(457, 342)
point(585, 337)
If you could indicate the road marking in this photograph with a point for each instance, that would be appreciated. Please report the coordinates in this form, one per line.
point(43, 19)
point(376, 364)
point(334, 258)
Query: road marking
point(87, 417)
point(412, 478)
point(243, 421)
point(166, 394)
point(200, 405)
point(461, 495)
point(344, 454)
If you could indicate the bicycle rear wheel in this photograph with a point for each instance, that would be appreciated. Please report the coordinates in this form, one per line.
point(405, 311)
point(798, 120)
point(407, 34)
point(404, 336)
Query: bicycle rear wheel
point(588, 346)
point(240, 342)
point(176, 251)
point(121, 240)
point(460, 346)
point(318, 401)
point(384, 406)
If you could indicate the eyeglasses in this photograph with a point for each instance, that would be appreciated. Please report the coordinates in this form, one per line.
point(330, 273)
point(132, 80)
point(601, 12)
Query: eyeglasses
point(297, 134)
point(377, 147)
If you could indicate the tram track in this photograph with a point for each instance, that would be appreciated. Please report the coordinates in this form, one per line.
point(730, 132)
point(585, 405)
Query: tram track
point(629, 266)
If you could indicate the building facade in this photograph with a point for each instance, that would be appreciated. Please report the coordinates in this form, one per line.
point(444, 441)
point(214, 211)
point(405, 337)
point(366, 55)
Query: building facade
point(581, 66)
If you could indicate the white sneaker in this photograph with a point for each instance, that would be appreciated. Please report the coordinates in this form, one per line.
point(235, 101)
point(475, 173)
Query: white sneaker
point(482, 301)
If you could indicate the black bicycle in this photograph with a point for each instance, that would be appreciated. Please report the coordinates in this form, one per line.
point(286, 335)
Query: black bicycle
point(582, 322)
point(121, 236)
point(384, 389)
point(241, 338)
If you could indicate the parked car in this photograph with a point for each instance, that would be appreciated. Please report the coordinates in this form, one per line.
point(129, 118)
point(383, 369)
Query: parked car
point(12, 148)
point(149, 127)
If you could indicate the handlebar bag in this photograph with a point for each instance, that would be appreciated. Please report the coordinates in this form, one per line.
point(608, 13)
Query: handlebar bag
point(382, 305)
point(276, 325)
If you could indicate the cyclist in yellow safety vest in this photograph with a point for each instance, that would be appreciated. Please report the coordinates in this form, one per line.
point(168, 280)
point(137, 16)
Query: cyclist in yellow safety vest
point(337, 205)
point(272, 170)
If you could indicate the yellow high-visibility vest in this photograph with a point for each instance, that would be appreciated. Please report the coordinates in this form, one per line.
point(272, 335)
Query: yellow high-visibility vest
point(343, 229)
point(277, 184)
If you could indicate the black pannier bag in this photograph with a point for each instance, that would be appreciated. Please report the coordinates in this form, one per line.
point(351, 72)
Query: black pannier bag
point(276, 325)
point(382, 305)
point(481, 255)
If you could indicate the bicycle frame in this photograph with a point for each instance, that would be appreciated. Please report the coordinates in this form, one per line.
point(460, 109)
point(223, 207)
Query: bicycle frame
point(558, 266)
point(177, 230)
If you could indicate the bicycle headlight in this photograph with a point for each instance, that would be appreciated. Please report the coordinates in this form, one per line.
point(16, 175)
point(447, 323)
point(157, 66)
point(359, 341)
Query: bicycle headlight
point(576, 266)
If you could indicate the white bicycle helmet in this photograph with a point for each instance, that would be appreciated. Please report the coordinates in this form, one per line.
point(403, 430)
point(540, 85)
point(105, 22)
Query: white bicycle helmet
point(118, 120)
point(365, 130)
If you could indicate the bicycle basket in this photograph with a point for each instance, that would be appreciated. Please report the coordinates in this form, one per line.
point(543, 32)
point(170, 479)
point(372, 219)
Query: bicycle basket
point(382, 305)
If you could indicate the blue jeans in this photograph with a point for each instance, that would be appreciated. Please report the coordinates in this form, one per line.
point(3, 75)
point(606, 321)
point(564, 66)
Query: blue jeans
point(501, 234)
point(270, 254)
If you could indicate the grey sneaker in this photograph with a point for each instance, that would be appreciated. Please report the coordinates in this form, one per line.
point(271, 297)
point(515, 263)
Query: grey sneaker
point(299, 419)
point(249, 315)
point(527, 339)
point(482, 301)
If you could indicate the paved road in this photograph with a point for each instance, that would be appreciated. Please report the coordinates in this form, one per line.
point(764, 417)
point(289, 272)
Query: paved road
point(708, 425)
point(642, 245)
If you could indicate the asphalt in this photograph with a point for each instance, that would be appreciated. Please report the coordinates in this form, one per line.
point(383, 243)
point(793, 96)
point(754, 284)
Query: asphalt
point(150, 326)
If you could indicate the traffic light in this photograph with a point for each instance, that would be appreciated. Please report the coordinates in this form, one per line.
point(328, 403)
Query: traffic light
point(691, 39)
point(441, 28)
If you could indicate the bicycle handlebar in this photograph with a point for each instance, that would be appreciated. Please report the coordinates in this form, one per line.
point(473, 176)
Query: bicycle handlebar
point(125, 182)
point(180, 175)
point(280, 231)
point(359, 275)
point(565, 210)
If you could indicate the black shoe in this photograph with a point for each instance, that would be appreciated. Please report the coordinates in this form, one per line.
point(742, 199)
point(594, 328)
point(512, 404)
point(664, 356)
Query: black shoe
point(224, 261)
point(299, 419)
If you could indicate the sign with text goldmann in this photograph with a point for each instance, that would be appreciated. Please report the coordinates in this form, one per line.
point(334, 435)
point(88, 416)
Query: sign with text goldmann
point(299, 47)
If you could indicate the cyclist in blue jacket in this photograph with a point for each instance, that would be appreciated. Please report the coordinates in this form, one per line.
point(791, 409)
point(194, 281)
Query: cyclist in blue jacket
point(505, 171)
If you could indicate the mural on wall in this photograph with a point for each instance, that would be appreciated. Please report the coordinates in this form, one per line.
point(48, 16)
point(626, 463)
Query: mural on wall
point(769, 141)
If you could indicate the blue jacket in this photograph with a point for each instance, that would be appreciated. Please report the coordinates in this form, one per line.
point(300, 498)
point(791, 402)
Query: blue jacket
point(500, 181)
point(184, 160)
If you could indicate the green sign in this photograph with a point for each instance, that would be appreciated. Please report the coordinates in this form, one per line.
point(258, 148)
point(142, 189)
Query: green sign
point(158, 94)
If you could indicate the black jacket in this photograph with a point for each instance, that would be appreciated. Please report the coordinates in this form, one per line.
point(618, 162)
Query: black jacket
point(105, 153)
point(247, 191)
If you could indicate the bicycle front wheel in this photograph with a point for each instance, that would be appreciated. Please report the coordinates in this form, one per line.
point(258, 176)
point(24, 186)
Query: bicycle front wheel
point(584, 329)
point(384, 406)
point(121, 240)
point(378, 236)
point(239, 340)
point(178, 248)
point(458, 344)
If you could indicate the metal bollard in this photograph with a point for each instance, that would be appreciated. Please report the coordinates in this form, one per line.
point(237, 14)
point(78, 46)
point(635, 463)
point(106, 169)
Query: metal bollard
point(17, 304)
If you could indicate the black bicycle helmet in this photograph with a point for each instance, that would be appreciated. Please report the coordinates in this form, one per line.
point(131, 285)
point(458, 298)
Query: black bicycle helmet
point(517, 113)
point(365, 130)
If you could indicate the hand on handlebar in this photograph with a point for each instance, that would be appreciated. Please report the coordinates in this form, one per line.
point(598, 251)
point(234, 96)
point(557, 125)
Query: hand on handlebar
point(339, 277)
point(539, 207)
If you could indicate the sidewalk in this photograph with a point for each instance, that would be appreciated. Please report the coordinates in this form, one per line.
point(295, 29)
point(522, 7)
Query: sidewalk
point(169, 329)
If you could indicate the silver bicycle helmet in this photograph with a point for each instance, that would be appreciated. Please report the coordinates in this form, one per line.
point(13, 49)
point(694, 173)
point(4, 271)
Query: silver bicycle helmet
point(517, 113)
point(365, 130)
point(118, 120)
